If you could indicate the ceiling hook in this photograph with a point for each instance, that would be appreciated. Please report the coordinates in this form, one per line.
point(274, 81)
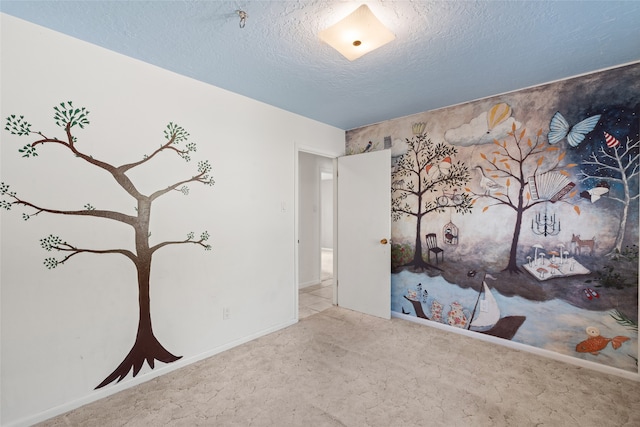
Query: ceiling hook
point(243, 17)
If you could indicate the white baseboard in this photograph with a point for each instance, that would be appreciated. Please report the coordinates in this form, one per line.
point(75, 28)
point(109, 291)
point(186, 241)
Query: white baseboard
point(523, 347)
point(309, 283)
point(132, 382)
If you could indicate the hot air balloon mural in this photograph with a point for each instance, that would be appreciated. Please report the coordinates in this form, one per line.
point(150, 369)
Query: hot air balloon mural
point(610, 140)
point(474, 177)
point(497, 114)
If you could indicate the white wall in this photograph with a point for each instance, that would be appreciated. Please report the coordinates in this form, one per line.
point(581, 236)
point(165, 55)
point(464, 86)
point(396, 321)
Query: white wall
point(326, 213)
point(313, 223)
point(65, 330)
point(309, 220)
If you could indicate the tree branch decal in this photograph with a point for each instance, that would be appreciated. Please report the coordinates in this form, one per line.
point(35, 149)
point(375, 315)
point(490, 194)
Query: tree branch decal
point(146, 346)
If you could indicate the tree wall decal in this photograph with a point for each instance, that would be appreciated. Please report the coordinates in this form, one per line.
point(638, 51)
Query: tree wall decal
point(420, 171)
point(146, 346)
point(511, 166)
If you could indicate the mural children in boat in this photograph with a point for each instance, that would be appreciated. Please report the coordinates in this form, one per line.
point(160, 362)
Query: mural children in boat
point(546, 199)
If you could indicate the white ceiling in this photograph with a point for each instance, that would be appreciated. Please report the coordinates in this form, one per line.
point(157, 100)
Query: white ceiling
point(445, 52)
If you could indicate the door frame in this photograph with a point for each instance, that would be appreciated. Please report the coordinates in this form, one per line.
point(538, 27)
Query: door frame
point(334, 157)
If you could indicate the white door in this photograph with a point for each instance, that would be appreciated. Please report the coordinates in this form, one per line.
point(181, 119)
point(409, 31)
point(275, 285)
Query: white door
point(364, 233)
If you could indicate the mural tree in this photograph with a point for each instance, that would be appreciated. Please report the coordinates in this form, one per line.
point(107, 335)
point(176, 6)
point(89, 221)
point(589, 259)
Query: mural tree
point(426, 168)
point(146, 346)
point(616, 165)
point(505, 177)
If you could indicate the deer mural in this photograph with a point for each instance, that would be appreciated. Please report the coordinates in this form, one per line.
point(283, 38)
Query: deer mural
point(578, 244)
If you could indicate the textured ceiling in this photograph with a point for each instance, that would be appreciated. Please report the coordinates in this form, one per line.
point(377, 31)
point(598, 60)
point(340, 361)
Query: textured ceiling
point(445, 52)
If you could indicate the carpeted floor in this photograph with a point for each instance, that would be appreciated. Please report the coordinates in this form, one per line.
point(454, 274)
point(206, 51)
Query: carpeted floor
point(341, 368)
point(316, 298)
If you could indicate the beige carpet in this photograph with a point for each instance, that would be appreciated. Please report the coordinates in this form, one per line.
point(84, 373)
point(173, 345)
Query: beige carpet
point(340, 368)
point(316, 298)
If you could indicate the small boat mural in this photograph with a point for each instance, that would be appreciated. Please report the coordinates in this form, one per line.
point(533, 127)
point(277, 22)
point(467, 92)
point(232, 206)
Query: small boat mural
point(488, 320)
point(485, 318)
point(489, 313)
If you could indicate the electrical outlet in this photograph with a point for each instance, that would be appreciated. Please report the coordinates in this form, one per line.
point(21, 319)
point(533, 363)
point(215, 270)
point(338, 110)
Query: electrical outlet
point(483, 306)
point(226, 313)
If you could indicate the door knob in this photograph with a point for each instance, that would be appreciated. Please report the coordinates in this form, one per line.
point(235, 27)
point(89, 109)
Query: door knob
point(384, 241)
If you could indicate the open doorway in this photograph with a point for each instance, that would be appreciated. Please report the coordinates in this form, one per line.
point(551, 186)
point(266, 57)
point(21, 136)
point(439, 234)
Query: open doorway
point(315, 233)
point(326, 223)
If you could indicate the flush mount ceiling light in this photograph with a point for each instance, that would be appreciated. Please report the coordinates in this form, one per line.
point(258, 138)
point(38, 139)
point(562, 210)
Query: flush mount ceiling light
point(357, 34)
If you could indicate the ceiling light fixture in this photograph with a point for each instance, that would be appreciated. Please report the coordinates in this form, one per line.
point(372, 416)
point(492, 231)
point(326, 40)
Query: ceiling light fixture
point(357, 34)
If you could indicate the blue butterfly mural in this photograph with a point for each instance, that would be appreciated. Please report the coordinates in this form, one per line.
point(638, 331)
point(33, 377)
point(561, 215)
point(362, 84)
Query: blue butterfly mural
point(559, 129)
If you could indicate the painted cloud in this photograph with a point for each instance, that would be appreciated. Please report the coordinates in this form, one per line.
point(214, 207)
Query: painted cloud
point(477, 131)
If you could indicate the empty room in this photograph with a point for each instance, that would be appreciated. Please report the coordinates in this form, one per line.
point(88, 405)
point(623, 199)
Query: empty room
point(319, 213)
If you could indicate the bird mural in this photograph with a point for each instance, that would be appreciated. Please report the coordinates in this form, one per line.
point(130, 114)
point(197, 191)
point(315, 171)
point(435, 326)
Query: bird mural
point(487, 184)
point(368, 147)
point(445, 165)
point(596, 192)
point(448, 234)
point(441, 169)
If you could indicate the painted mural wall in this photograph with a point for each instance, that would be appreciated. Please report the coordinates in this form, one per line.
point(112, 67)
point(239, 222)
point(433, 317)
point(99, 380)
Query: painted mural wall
point(516, 216)
point(69, 329)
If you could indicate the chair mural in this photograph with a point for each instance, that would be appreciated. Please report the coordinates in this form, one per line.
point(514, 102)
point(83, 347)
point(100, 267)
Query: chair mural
point(534, 196)
point(432, 245)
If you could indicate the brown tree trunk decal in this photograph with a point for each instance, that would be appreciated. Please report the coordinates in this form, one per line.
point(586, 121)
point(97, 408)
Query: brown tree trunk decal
point(146, 346)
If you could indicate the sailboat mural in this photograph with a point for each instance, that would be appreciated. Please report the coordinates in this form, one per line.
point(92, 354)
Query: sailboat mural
point(542, 186)
point(488, 314)
point(485, 317)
